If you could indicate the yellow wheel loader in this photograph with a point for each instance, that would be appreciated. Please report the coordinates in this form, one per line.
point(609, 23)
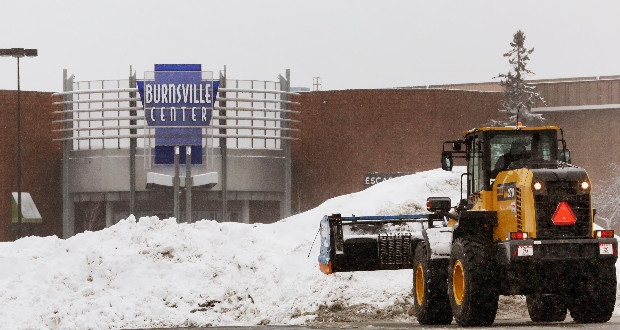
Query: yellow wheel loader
point(525, 228)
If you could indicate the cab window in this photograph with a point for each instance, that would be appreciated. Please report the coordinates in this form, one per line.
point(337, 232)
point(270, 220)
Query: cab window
point(475, 163)
point(521, 148)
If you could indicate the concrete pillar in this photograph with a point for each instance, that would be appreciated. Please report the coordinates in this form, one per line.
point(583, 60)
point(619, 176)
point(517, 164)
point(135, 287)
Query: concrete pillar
point(132, 144)
point(223, 150)
point(245, 211)
point(109, 214)
point(285, 202)
point(68, 220)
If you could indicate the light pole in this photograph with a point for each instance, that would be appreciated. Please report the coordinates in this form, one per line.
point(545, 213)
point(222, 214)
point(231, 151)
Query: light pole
point(18, 53)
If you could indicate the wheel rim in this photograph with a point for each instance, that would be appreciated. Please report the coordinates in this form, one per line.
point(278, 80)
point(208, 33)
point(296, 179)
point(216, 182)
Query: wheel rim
point(419, 283)
point(458, 282)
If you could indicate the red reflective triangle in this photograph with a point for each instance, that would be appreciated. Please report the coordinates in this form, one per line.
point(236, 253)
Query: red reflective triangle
point(564, 215)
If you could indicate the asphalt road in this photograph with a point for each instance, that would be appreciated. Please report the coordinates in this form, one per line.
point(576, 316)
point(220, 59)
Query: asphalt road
point(614, 323)
point(523, 323)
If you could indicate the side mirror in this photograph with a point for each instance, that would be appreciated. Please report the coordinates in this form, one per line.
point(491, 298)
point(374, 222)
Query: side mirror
point(446, 160)
point(564, 155)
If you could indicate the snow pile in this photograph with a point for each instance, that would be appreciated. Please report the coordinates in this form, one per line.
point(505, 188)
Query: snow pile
point(157, 273)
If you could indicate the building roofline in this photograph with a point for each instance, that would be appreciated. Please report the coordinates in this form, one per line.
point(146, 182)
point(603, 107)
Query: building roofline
point(532, 81)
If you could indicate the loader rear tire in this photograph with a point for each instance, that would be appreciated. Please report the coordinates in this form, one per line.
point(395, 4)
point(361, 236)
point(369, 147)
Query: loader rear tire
point(472, 283)
point(546, 307)
point(430, 289)
point(594, 297)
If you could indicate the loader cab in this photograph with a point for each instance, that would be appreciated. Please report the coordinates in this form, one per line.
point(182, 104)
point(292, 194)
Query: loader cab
point(491, 150)
point(495, 150)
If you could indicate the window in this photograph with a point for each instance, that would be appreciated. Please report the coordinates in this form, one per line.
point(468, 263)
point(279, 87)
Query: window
point(475, 165)
point(524, 148)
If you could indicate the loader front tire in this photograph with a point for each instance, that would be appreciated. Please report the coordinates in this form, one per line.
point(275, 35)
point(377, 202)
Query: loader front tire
point(594, 297)
point(430, 294)
point(546, 307)
point(472, 283)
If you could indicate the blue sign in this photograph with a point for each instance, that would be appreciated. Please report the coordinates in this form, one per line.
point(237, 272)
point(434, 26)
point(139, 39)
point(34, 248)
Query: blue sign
point(178, 95)
point(178, 101)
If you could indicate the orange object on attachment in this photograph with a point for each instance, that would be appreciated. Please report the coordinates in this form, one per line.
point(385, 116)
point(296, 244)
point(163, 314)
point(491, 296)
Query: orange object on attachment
point(327, 269)
point(564, 215)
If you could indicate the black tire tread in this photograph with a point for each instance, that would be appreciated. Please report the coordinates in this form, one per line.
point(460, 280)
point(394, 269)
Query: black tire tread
point(480, 304)
point(435, 310)
point(594, 298)
point(546, 308)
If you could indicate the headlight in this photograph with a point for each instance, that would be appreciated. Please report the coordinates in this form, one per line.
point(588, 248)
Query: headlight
point(538, 185)
point(584, 185)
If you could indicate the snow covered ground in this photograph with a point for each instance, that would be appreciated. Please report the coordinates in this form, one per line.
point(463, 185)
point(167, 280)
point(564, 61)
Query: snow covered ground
point(157, 273)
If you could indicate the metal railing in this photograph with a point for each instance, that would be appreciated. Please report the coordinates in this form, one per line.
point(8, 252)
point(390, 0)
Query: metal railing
point(96, 115)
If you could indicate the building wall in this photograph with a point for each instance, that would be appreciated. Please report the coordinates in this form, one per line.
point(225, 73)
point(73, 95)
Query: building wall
point(41, 160)
point(345, 134)
point(593, 137)
point(342, 136)
point(558, 92)
point(586, 92)
point(485, 86)
point(107, 170)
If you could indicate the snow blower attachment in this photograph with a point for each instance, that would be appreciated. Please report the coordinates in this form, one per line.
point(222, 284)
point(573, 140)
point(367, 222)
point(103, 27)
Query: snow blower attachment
point(373, 242)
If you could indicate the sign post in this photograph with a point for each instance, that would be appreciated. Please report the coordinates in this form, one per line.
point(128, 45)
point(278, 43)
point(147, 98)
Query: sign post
point(177, 184)
point(188, 184)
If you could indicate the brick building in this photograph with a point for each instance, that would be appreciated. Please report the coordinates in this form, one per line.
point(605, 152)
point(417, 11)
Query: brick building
point(343, 135)
point(41, 158)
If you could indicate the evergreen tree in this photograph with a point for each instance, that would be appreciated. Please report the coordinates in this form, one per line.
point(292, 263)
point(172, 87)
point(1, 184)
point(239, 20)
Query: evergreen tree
point(519, 97)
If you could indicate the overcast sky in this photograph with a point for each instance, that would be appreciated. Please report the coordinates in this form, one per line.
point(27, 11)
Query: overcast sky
point(349, 44)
